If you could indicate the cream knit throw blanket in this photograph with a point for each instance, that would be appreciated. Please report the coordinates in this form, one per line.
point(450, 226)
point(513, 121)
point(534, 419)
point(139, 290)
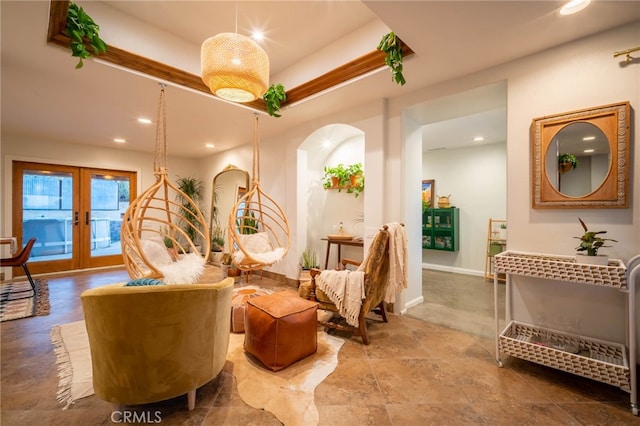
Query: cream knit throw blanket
point(398, 257)
point(346, 291)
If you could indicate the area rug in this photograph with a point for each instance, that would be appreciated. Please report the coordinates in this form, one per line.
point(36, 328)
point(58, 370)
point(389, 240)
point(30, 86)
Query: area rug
point(288, 393)
point(12, 307)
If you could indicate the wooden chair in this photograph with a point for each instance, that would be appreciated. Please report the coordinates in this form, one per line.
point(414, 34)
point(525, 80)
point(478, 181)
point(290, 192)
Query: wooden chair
point(376, 278)
point(21, 259)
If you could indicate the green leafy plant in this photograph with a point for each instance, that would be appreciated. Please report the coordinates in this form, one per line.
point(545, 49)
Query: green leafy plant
point(392, 47)
point(84, 34)
point(356, 187)
point(194, 189)
point(340, 172)
point(590, 242)
point(217, 238)
point(309, 259)
point(166, 237)
point(247, 224)
point(568, 159)
point(273, 98)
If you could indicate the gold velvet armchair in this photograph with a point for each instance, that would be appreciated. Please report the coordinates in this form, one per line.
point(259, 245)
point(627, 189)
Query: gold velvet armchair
point(152, 343)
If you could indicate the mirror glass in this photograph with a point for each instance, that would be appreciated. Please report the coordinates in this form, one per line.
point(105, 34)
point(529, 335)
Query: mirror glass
point(578, 159)
point(228, 185)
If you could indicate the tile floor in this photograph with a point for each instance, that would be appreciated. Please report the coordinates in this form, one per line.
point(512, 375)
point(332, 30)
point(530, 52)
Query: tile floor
point(415, 372)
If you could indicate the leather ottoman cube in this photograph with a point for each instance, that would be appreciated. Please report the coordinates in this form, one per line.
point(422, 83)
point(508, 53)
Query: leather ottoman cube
point(280, 329)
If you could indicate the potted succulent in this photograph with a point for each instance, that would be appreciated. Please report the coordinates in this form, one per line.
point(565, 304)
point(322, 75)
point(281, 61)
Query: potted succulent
point(590, 243)
point(567, 162)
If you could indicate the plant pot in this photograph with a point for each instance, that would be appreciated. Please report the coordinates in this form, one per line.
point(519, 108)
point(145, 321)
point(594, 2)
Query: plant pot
point(216, 257)
point(601, 259)
point(335, 182)
point(305, 276)
point(353, 180)
point(564, 167)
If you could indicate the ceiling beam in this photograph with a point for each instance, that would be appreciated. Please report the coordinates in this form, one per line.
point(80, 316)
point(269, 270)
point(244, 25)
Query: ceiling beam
point(371, 61)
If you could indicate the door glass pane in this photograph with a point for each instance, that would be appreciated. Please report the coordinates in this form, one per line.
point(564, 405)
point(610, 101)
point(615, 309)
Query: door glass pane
point(109, 201)
point(47, 214)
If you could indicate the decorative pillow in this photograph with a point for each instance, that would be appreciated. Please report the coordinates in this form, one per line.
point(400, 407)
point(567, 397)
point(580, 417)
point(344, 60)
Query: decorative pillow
point(156, 253)
point(256, 243)
point(143, 281)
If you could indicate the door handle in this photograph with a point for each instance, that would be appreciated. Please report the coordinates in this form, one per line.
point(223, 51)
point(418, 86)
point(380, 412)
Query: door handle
point(86, 218)
point(75, 218)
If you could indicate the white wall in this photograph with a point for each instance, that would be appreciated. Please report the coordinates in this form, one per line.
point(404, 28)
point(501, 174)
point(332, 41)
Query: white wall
point(477, 179)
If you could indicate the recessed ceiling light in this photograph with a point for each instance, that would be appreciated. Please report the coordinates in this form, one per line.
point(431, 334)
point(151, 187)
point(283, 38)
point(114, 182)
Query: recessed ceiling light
point(588, 150)
point(478, 139)
point(326, 143)
point(119, 140)
point(574, 6)
point(589, 138)
point(209, 145)
point(144, 120)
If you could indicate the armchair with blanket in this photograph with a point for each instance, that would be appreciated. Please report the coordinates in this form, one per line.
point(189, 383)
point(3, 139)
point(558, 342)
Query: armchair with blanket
point(353, 294)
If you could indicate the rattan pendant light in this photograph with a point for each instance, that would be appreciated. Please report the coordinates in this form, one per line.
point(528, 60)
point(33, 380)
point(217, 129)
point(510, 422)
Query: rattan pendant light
point(234, 67)
point(258, 228)
point(155, 219)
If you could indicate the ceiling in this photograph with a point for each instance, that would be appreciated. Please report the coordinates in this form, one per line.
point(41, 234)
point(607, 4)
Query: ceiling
point(43, 96)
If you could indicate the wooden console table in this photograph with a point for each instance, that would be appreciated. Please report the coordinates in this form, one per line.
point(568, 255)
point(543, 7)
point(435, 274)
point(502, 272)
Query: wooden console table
point(339, 242)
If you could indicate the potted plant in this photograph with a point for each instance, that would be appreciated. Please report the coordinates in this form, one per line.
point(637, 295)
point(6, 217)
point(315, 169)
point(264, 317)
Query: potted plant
point(167, 239)
point(335, 177)
point(217, 238)
point(567, 162)
point(273, 98)
point(84, 32)
point(309, 261)
point(391, 45)
point(193, 188)
point(590, 243)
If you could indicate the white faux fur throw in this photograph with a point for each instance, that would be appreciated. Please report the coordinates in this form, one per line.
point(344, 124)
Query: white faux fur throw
point(187, 270)
point(398, 258)
point(346, 291)
point(268, 258)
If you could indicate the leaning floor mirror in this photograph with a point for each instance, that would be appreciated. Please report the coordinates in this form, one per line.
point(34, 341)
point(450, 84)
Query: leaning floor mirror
point(228, 185)
point(580, 159)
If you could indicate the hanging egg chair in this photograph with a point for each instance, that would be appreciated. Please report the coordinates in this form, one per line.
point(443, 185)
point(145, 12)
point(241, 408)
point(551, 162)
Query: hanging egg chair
point(162, 225)
point(258, 227)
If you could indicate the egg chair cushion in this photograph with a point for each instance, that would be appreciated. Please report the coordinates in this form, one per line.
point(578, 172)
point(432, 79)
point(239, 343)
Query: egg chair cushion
point(187, 270)
point(258, 246)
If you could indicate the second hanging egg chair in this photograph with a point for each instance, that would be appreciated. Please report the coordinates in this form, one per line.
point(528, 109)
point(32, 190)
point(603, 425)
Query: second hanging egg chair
point(258, 227)
point(161, 227)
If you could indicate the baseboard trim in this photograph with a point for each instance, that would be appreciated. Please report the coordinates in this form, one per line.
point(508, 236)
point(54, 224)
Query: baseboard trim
point(453, 269)
point(415, 302)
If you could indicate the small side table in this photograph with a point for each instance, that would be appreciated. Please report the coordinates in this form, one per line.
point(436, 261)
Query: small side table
point(339, 242)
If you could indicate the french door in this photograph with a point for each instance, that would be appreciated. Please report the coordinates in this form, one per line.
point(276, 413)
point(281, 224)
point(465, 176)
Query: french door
point(75, 214)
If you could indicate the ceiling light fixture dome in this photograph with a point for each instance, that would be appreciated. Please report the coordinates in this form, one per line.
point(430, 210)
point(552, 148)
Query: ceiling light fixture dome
point(234, 67)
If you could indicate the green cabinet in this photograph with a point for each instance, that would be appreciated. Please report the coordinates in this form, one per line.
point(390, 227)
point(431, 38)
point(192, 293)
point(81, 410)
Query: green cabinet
point(441, 229)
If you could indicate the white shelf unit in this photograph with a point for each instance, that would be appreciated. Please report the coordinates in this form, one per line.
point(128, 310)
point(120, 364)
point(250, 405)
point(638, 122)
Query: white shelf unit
point(607, 362)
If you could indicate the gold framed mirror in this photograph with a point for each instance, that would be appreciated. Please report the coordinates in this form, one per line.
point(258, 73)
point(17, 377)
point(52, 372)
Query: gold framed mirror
point(580, 159)
point(226, 186)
